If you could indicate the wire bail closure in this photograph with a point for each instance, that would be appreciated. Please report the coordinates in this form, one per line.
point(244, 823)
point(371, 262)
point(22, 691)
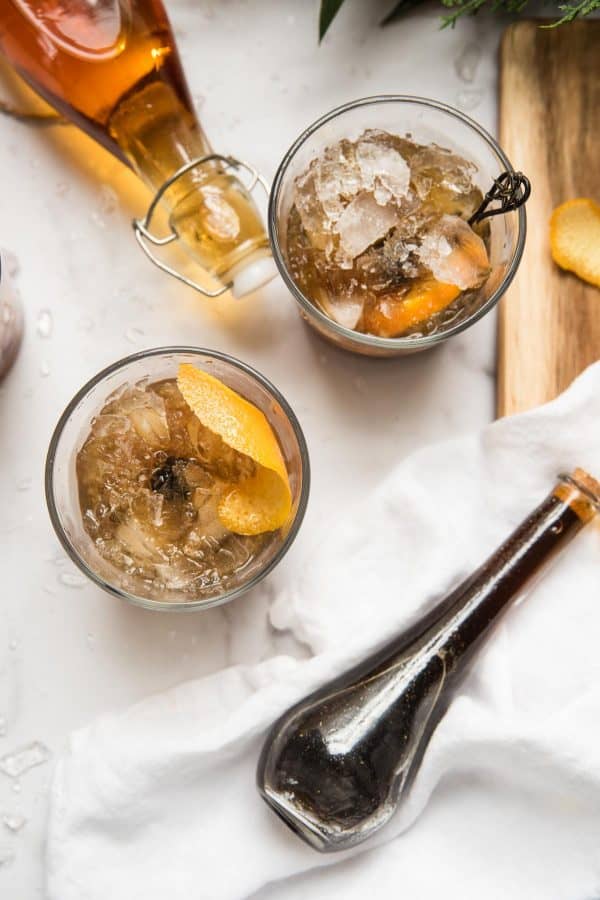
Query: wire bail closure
point(141, 227)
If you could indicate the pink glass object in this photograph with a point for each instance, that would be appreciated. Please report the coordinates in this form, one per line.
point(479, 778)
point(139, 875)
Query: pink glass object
point(11, 317)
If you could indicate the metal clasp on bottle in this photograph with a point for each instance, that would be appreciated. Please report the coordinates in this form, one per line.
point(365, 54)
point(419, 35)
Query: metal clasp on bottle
point(141, 227)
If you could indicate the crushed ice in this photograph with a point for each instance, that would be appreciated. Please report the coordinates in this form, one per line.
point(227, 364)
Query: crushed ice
point(467, 61)
point(345, 309)
point(363, 222)
point(14, 822)
point(384, 171)
point(469, 99)
point(6, 857)
point(454, 254)
point(20, 761)
point(134, 335)
point(109, 200)
point(71, 579)
point(372, 215)
point(44, 323)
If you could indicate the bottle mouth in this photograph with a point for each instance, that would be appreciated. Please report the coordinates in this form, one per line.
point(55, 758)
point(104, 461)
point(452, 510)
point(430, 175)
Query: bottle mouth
point(584, 496)
point(251, 274)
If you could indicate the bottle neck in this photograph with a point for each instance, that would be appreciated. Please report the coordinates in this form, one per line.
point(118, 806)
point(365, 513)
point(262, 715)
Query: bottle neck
point(210, 210)
point(471, 611)
point(581, 493)
point(158, 133)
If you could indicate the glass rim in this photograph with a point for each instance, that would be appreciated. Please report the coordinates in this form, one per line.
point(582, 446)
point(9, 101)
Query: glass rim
point(184, 605)
point(371, 340)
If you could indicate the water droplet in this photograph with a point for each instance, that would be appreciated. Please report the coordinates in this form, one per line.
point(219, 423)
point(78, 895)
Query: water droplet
point(109, 200)
point(24, 484)
point(44, 323)
point(21, 761)
point(468, 99)
point(16, 786)
point(108, 204)
point(91, 640)
point(6, 857)
point(205, 14)
point(14, 822)
point(133, 335)
point(13, 645)
point(97, 219)
point(199, 100)
point(44, 368)
point(467, 61)
point(11, 262)
point(71, 579)
point(85, 323)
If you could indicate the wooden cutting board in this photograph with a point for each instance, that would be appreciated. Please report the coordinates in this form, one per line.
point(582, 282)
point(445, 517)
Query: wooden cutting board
point(549, 326)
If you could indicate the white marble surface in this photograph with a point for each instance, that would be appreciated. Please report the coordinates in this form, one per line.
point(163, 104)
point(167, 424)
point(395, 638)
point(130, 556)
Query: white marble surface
point(67, 651)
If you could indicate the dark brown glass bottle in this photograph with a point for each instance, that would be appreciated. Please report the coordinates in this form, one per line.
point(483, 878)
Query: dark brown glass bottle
point(336, 766)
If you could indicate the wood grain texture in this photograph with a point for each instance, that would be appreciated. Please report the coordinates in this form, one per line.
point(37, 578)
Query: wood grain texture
point(549, 323)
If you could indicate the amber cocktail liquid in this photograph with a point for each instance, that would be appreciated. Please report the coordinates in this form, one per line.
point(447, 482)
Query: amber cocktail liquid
point(379, 237)
point(112, 67)
point(150, 478)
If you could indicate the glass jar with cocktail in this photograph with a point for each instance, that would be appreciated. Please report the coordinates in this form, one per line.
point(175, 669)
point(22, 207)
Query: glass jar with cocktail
point(177, 478)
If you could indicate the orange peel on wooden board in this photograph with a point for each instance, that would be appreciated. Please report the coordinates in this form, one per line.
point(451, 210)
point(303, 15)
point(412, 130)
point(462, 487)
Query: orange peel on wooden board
point(262, 502)
point(575, 238)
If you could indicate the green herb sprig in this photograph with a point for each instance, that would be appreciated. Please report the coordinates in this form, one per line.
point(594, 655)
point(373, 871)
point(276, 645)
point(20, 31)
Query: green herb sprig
point(568, 10)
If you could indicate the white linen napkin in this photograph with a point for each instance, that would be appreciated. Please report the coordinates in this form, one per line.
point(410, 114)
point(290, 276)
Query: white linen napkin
point(159, 802)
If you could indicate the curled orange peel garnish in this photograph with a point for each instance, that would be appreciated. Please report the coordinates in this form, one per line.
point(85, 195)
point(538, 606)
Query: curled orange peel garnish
point(392, 316)
point(575, 238)
point(262, 502)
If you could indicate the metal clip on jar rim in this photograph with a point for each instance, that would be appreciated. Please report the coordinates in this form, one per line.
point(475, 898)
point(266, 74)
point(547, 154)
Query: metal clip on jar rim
point(141, 227)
